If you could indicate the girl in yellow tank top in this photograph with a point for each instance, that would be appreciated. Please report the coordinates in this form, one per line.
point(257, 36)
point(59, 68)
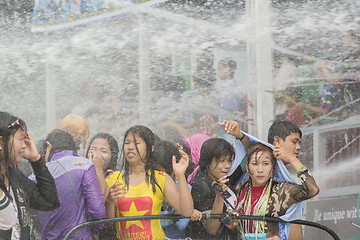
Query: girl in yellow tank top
point(139, 190)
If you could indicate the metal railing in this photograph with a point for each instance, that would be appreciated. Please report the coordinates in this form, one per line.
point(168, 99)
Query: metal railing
point(328, 145)
point(225, 217)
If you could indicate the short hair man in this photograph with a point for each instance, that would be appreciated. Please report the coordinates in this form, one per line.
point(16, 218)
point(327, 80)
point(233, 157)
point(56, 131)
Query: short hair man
point(287, 135)
point(77, 186)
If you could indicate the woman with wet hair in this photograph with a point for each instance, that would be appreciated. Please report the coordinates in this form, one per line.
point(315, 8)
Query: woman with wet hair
point(17, 191)
point(215, 161)
point(107, 146)
point(140, 190)
point(216, 156)
point(260, 195)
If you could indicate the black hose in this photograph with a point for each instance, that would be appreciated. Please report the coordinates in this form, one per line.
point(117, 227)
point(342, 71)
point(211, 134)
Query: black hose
point(214, 216)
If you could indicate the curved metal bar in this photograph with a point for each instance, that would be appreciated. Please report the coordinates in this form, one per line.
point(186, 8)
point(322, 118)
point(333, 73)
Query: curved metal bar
point(214, 216)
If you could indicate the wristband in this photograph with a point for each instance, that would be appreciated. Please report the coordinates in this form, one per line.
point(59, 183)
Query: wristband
point(300, 170)
point(242, 137)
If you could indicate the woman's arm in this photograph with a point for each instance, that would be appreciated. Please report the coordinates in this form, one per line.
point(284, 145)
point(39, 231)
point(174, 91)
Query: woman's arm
point(116, 191)
point(213, 225)
point(232, 128)
point(43, 194)
point(180, 199)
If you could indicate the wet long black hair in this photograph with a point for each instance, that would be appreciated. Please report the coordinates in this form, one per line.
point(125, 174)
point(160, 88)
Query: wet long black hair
point(114, 148)
point(148, 136)
point(5, 120)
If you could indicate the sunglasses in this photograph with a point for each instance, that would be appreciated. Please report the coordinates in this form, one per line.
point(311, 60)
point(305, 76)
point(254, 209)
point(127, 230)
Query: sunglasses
point(216, 186)
point(18, 124)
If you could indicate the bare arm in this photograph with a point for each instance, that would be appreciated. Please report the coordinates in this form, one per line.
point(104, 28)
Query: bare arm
point(232, 128)
point(213, 225)
point(116, 191)
point(296, 232)
point(180, 199)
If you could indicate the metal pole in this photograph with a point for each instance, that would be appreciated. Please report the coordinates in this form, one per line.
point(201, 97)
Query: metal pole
point(50, 79)
point(144, 72)
point(260, 66)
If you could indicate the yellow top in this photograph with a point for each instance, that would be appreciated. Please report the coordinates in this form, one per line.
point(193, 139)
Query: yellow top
point(139, 201)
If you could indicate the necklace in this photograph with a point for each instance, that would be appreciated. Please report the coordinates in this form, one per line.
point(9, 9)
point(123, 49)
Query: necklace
point(244, 207)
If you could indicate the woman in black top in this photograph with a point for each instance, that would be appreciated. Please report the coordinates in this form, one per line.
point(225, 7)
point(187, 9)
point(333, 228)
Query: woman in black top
point(16, 143)
point(216, 158)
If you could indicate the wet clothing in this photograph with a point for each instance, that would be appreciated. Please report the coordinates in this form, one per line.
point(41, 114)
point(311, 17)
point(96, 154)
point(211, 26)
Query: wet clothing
point(282, 196)
point(79, 194)
point(204, 195)
point(27, 194)
point(8, 214)
point(139, 200)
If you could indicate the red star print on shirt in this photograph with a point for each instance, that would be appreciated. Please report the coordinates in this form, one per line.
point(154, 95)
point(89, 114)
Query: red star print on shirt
point(136, 206)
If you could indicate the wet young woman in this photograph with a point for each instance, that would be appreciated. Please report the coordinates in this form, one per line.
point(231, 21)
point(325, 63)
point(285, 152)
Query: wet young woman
point(140, 190)
point(261, 196)
point(17, 190)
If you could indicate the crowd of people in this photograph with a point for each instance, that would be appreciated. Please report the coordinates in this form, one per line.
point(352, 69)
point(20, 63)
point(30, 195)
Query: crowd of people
point(334, 96)
point(152, 176)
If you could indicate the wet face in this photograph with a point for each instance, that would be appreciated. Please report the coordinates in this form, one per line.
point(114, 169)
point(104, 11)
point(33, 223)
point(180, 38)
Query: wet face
point(220, 168)
point(17, 147)
point(260, 168)
point(292, 143)
point(130, 152)
point(102, 147)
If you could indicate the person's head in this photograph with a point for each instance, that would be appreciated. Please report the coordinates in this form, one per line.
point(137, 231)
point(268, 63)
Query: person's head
point(108, 148)
point(260, 164)
point(57, 140)
point(163, 154)
point(138, 144)
point(78, 127)
point(216, 157)
point(287, 134)
point(226, 69)
point(138, 147)
point(13, 132)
